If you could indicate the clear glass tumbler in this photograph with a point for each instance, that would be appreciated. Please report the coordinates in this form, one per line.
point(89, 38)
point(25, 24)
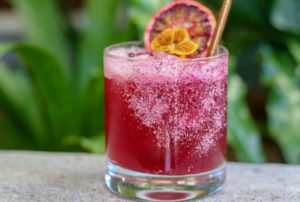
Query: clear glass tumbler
point(166, 121)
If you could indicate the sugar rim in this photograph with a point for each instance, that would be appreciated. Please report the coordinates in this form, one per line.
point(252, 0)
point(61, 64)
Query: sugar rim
point(221, 51)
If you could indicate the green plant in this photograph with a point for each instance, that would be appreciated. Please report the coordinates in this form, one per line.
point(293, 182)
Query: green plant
point(283, 79)
point(243, 135)
point(56, 102)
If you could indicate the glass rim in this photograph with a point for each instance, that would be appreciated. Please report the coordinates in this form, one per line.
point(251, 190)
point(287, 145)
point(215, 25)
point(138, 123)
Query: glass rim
point(221, 51)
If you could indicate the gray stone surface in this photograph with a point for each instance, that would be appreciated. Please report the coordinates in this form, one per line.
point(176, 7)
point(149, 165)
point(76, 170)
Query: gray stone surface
point(56, 177)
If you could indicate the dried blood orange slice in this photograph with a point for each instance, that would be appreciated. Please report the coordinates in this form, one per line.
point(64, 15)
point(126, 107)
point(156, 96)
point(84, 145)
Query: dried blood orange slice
point(190, 15)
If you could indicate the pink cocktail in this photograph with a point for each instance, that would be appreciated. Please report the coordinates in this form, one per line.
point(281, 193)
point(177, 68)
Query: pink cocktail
point(165, 116)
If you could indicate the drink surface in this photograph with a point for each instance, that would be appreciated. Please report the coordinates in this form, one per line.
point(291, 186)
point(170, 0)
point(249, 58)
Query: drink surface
point(165, 115)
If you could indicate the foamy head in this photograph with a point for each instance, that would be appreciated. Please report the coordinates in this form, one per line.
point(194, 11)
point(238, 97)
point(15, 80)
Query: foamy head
point(129, 61)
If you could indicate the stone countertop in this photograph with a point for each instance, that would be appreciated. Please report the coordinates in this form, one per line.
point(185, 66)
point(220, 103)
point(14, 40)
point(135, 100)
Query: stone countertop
point(36, 176)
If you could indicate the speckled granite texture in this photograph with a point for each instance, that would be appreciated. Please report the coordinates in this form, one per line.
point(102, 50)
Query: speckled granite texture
point(57, 177)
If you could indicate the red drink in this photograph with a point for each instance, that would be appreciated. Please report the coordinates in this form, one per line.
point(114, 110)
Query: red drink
point(166, 108)
point(165, 115)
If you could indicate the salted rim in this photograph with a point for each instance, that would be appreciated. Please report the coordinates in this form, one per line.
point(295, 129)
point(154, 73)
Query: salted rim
point(221, 51)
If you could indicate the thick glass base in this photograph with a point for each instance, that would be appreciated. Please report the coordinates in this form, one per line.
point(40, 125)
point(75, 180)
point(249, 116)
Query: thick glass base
point(140, 186)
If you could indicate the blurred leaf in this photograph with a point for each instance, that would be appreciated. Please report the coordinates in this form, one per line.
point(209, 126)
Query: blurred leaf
point(92, 105)
point(269, 62)
point(140, 19)
point(16, 100)
point(294, 48)
point(284, 103)
point(52, 88)
point(254, 12)
point(286, 15)
point(149, 6)
point(141, 12)
point(107, 23)
point(10, 136)
point(43, 26)
point(232, 65)
point(95, 144)
point(243, 135)
point(4, 47)
point(97, 35)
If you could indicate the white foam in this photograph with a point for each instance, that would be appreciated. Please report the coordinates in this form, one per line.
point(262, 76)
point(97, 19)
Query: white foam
point(161, 67)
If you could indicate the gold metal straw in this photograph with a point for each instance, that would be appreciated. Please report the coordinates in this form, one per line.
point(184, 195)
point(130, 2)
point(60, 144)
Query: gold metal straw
point(222, 19)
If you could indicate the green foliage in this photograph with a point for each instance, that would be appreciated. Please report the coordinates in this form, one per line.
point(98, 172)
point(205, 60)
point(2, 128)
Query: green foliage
point(100, 31)
point(59, 110)
point(281, 73)
point(58, 98)
point(43, 26)
point(95, 144)
point(97, 35)
point(141, 11)
point(243, 135)
point(47, 117)
point(17, 101)
point(56, 102)
point(274, 28)
point(285, 15)
point(284, 101)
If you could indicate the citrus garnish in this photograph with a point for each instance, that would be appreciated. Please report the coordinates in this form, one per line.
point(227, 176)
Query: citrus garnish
point(180, 35)
point(185, 21)
point(175, 42)
point(164, 41)
point(185, 48)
